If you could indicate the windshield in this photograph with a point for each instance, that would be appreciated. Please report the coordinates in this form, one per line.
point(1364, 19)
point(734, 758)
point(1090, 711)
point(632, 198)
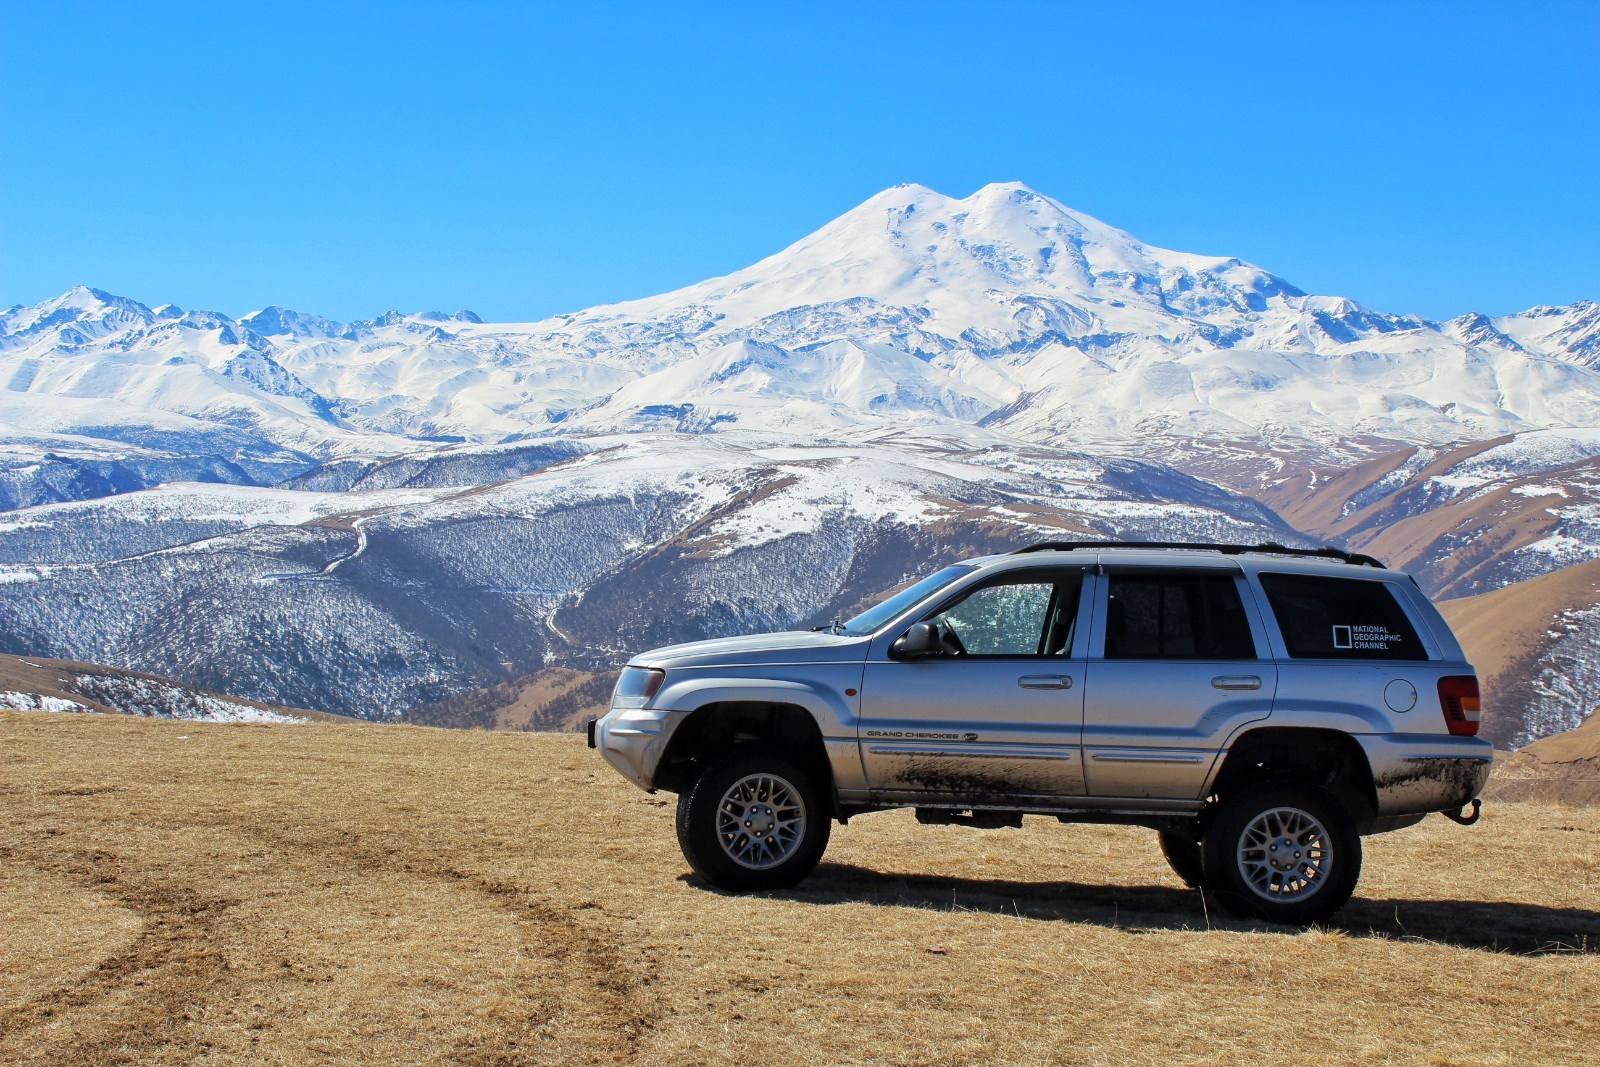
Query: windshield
point(877, 615)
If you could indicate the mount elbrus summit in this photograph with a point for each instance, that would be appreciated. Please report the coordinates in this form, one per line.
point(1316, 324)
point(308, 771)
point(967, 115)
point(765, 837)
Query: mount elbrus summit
point(368, 516)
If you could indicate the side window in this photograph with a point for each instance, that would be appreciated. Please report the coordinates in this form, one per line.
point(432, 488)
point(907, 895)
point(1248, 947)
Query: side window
point(1340, 618)
point(1025, 618)
point(1168, 615)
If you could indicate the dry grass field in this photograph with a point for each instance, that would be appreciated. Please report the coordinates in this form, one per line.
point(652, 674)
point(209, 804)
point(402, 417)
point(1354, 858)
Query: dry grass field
point(172, 892)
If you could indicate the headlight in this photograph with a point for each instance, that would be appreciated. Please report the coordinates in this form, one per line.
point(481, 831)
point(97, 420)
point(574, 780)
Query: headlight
point(636, 686)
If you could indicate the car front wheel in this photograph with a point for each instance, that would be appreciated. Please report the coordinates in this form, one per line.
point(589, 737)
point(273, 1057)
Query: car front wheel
point(1282, 851)
point(752, 820)
point(1183, 856)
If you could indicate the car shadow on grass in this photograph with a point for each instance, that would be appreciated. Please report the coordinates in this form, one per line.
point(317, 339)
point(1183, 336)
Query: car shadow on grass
point(1485, 925)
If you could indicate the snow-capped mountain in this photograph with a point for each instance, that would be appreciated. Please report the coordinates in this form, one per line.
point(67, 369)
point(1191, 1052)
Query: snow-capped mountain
point(420, 504)
point(1004, 310)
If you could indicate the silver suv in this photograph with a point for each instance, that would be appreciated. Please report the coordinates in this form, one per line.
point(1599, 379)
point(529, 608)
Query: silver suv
point(1260, 708)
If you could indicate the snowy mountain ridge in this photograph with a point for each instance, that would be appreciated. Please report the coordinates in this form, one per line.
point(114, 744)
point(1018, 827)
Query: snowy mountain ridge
point(419, 581)
point(1004, 312)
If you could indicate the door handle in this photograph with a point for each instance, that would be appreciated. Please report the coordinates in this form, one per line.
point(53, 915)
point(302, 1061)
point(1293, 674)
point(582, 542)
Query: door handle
point(1236, 681)
point(1045, 681)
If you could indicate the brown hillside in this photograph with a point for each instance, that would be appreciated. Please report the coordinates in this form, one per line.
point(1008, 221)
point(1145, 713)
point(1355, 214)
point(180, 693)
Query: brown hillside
point(1577, 749)
point(178, 893)
point(552, 699)
point(1503, 633)
point(1564, 768)
point(1485, 530)
point(1454, 547)
point(1314, 500)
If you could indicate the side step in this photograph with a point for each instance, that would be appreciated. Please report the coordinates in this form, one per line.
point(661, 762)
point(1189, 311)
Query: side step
point(978, 820)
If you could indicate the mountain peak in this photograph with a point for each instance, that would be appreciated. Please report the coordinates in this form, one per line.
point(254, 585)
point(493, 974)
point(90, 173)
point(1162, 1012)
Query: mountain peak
point(88, 298)
point(75, 317)
point(274, 321)
point(1013, 191)
point(906, 195)
point(973, 263)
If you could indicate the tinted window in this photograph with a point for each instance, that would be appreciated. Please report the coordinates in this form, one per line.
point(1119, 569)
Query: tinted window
point(1340, 618)
point(1018, 618)
point(1176, 616)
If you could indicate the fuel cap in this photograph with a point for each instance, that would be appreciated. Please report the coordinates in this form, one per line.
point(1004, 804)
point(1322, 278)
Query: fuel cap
point(1400, 695)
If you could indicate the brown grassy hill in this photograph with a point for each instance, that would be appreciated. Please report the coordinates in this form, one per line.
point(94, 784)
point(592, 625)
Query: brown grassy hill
point(552, 699)
point(1564, 768)
point(1454, 545)
point(1507, 635)
point(1578, 750)
point(180, 893)
point(1452, 548)
point(1316, 500)
point(96, 687)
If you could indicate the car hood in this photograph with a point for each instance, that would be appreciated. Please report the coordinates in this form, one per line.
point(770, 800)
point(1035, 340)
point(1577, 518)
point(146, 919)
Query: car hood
point(794, 646)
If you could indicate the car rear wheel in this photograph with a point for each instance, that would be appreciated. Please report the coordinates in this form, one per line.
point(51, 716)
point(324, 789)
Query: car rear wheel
point(1282, 851)
point(752, 820)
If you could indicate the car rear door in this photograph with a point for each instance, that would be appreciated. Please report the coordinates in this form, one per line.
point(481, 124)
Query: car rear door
point(1178, 663)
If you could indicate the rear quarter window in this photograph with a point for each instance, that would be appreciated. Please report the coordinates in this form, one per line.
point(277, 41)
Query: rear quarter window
point(1340, 618)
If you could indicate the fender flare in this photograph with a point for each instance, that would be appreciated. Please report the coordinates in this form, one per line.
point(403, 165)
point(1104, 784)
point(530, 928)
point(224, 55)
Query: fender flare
point(1356, 740)
point(834, 718)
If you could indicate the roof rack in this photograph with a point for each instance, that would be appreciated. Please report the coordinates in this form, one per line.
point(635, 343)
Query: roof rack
point(1325, 552)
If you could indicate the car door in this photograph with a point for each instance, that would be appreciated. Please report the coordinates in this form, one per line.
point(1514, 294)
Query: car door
point(1178, 664)
point(994, 717)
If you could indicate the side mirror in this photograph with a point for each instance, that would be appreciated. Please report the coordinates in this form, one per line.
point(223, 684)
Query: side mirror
point(922, 639)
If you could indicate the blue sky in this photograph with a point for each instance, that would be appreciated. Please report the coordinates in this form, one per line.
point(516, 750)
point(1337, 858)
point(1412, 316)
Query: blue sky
point(524, 159)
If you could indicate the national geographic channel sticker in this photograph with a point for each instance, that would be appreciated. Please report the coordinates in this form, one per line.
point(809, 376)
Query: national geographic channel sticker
point(1365, 638)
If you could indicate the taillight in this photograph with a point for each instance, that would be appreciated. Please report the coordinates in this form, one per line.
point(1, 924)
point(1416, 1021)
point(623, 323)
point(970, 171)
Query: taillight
point(1458, 699)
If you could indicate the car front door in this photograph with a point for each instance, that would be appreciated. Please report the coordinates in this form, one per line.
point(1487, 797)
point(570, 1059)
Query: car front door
point(996, 714)
point(1173, 672)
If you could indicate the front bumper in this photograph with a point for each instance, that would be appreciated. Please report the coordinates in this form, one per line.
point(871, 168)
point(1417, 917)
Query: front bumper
point(633, 740)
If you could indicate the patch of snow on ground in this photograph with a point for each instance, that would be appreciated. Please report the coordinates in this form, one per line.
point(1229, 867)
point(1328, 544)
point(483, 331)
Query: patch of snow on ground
point(1524, 455)
point(1577, 539)
point(1461, 483)
point(38, 702)
point(1568, 687)
point(1391, 481)
point(243, 505)
point(870, 489)
point(155, 699)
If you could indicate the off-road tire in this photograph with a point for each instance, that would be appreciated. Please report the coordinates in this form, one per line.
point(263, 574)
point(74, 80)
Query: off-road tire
point(1184, 857)
point(1282, 851)
point(759, 789)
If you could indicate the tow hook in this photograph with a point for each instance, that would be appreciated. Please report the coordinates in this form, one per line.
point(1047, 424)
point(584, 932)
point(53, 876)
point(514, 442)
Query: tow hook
point(1461, 816)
